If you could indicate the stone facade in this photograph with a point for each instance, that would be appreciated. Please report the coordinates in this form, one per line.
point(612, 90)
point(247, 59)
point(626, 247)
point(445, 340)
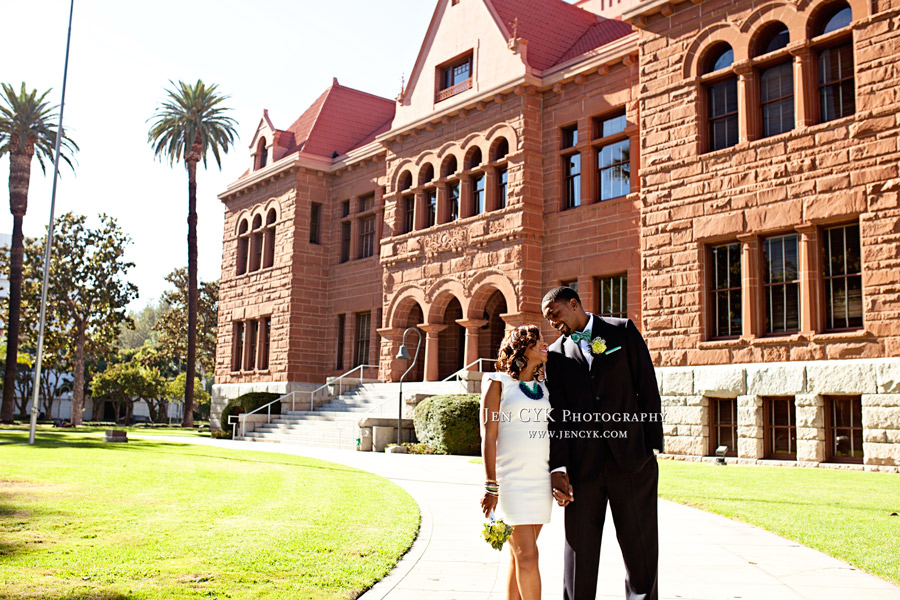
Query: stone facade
point(455, 215)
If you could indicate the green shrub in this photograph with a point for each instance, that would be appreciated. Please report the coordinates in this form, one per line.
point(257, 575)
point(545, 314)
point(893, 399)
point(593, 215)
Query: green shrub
point(449, 424)
point(247, 403)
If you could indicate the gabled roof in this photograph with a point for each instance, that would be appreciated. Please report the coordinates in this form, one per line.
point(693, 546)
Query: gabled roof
point(555, 30)
point(338, 121)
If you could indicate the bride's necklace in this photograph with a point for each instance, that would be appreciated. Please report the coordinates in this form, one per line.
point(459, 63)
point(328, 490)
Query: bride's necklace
point(535, 393)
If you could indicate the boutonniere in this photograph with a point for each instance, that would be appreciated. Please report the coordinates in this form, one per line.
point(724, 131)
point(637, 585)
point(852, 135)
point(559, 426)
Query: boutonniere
point(598, 346)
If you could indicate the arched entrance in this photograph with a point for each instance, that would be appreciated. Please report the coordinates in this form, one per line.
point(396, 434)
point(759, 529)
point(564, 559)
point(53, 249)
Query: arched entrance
point(493, 330)
point(451, 341)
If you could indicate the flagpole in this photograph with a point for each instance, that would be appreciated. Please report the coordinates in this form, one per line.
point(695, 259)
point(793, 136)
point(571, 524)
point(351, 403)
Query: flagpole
point(40, 346)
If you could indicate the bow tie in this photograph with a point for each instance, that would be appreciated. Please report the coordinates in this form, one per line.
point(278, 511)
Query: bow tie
point(583, 336)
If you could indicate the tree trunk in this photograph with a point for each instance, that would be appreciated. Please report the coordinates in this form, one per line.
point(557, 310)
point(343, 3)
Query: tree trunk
point(19, 179)
point(188, 417)
point(78, 376)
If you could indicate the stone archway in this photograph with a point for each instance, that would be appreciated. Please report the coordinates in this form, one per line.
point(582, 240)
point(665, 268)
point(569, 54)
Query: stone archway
point(414, 319)
point(451, 341)
point(494, 328)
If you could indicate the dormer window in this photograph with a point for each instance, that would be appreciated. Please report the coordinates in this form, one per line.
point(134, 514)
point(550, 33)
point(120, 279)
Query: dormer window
point(262, 154)
point(454, 77)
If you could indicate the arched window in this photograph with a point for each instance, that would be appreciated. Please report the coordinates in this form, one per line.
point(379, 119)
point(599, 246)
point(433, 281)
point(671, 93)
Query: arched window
point(477, 196)
point(499, 150)
point(721, 99)
point(835, 81)
point(256, 244)
point(269, 239)
point(243, 247)
point(262, 154)
point(473, 159)
point(426, 175)
point(776, 81)
point(449, 166)
point(404, 182)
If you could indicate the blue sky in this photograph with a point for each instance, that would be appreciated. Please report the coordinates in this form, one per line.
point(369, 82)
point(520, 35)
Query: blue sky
point(274, 54)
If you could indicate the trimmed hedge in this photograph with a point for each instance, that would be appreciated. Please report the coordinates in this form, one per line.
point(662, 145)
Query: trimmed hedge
point(449, 424)
point(246, 403)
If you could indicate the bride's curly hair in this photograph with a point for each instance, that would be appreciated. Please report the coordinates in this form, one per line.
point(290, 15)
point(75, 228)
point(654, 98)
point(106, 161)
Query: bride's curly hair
point(511, 356)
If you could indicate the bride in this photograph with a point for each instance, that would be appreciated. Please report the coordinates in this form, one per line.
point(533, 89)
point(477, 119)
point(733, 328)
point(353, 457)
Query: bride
point(516, 452)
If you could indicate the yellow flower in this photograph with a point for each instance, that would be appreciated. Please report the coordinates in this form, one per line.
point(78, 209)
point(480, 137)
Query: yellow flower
point(598, 345)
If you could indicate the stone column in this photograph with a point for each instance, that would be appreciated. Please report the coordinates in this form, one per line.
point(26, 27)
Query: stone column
point(443, 207)
point(809, 279)
point(747, 104)
point(421, 216)
point(465, 197)
point(490, 189)
point(804, 92)
point(431, 349)
point(354, 239)
point(750, 284)
point(472, 332)
point(389, 346)
point(810, 415)
point(751, 430)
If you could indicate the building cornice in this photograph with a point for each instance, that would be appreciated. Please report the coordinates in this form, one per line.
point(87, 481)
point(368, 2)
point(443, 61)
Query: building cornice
point(638, 14)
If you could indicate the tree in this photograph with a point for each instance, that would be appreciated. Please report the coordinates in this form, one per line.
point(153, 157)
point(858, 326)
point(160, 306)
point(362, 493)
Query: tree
point(175, 390)
point(26, 131)
point(189, 124)
point(127, 382)
point(171, 328)
point(144, 323)
point(89, 295)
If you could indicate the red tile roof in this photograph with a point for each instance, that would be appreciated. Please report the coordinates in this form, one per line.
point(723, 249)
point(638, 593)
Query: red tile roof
point(339, 120)
point(557, 31)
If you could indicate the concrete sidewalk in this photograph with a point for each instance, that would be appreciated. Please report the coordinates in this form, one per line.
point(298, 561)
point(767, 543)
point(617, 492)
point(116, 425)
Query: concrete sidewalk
point(702, 556)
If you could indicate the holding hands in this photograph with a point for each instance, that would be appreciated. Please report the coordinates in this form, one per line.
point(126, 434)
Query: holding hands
point(562, 489)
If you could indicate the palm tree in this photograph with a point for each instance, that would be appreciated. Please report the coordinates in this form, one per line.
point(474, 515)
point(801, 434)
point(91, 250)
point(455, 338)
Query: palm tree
point(188, 124)
point(26, 130)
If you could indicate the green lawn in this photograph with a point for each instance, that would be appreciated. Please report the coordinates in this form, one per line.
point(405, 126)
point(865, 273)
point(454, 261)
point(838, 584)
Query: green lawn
point(847, 514)
point(80, 519)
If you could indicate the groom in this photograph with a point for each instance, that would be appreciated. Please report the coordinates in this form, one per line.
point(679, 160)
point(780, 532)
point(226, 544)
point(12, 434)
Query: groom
point(606, 424)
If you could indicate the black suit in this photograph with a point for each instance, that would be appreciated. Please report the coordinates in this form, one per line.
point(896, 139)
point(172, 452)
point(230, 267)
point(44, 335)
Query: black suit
point(606, 424)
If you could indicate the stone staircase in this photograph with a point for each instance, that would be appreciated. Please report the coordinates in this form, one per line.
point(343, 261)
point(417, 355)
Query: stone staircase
point(336, 423)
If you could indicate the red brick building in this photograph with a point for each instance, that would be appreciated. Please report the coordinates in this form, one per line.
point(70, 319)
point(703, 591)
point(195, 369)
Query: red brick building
point(723, 173)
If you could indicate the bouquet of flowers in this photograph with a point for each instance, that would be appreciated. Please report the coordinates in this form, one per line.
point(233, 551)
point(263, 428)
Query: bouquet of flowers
point(496, 532)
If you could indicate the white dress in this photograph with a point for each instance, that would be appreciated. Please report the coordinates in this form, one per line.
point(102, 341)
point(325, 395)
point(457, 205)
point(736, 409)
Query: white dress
point(523, 453)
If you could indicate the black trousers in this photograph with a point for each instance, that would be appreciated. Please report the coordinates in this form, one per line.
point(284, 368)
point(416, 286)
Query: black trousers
point(632, 502)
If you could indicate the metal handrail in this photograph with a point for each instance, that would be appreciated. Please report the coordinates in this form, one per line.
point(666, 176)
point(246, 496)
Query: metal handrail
point(312, 395)
point(466, 369)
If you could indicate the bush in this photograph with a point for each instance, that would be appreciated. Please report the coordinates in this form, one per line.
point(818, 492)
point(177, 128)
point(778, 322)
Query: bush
point(247, 403)
point(449, 424)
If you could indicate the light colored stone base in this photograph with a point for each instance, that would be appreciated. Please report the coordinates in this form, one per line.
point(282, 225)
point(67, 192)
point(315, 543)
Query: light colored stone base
point(223, 392)
point(686, 393)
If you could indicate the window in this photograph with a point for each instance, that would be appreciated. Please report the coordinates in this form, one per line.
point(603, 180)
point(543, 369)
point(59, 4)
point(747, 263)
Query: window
point(341, 326)
point(345, 208)
point(252, 339)
point(780, 434)
point(614, 163)
point(256, 244)
point(315, 223)
point(837, 16)
point(844, 430)
point(362, 338)
point(367, 236)
point(722, 104)
point(500, 149)
point(345, 241)
point(843, 277)
point(478, 194)
point(572, 170)
point(781, 284)
point(613, 156)
point(723, 421)
point(265, 341)
point(237, 355)
point(502, 183)
point(570, 136)
point(409, 213)
point(431, 207)
point(269, 244)
point(454, 77)
point(262, 154)
point(243, 249)
point(776, 86)
point(453, 200)
point(836, 88)
point(570, 283)
point(367, 202)
point(612, 295)
point(725, 300)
